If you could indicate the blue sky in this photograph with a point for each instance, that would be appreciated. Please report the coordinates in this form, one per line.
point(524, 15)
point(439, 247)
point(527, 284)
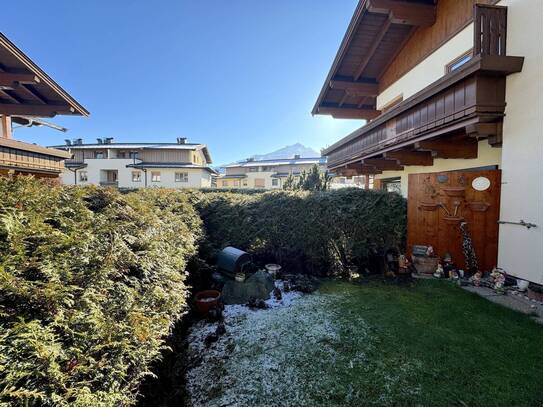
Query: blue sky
point(238, 75)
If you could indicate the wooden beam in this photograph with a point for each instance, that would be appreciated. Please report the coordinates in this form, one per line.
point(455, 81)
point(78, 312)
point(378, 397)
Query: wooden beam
point(449, 148)
point(405, 157)
point(383, 164)
point(356, 88)
point(376, 42)
point(363, 169)
point(34, 110)
point(349, 113)
point(402, 12)
point(491, 131)
point(13, 79)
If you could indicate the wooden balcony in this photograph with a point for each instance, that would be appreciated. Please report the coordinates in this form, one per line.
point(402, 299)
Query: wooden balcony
point(28, 158)
point(465, 105)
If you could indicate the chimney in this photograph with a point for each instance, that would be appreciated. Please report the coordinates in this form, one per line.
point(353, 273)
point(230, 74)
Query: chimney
point(296, 156)
point(250, 159)
point(77, 142)
point(181, 140)
point(68, 142)
point(108, 140)
point(100, 141)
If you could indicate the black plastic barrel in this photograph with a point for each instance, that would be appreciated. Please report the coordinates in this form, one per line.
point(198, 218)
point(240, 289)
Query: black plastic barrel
point(232, 260)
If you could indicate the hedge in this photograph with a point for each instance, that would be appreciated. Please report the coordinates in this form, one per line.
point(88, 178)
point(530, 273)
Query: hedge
point(91, 282)
point(322, 233)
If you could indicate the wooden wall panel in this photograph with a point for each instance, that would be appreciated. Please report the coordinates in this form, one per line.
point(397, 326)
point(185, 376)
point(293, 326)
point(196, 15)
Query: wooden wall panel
point(429, 224)
point(452, 17)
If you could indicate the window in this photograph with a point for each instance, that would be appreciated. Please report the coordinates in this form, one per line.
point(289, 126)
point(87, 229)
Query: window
point(236, 183)
point(245, 182)
point(225, 183)
point(121, 154)
point(83, 176)
point(136, 176)
point(253, 169)
point(266, 169)
point(459, 61)
point(181, 177)
point(133, 154)
point(275, 182)
point(155, 176)
point(99, 154)
point(259, 182)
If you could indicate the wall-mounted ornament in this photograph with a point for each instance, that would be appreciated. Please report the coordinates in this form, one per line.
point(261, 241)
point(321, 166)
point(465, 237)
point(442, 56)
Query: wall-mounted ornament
point(480, 183)
point(442, 178)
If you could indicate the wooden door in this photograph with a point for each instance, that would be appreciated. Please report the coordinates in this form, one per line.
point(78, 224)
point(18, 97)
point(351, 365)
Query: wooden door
point(439, 202)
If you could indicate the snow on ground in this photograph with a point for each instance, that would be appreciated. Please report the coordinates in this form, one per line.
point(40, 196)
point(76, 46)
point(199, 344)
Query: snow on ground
point(291, 354)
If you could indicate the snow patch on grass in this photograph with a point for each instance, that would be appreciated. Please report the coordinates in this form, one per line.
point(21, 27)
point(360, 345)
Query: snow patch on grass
point(302, 351)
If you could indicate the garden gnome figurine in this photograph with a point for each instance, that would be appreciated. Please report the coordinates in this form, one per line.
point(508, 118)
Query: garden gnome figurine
point(499, 280)
point(448, 266)
point(439, 271)
point(476, 279)
point(430, 251)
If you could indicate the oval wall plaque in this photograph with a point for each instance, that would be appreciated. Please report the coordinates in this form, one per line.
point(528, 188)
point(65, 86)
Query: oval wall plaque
point(481, 183)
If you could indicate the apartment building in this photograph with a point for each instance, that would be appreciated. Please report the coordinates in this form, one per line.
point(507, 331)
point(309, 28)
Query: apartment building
point(266, 174)
point(451, 91)
point(138, 165)
point(26, 94)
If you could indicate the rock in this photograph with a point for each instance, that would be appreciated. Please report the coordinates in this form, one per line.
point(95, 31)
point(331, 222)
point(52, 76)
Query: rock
point(210, 339)
point(259, 286)
point(255, 303)
point(221, 329)
point(277, 294)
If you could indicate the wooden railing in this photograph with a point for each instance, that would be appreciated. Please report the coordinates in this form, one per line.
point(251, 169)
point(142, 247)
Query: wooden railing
point(26, 160)
point(490, 30)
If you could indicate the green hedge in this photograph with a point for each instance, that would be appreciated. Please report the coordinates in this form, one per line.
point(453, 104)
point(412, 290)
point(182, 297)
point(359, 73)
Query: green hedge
point(91, 282)
point(314, 232)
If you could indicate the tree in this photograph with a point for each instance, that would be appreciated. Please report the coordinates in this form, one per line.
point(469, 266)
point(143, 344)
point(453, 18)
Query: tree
point(312, 180)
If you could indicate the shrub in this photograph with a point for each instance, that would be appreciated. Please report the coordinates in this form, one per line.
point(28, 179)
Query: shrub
point(91, 282)
point(315, 232)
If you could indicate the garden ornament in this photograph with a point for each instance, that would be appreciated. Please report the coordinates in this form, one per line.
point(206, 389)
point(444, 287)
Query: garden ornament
point(476, 279)
point(439, 271)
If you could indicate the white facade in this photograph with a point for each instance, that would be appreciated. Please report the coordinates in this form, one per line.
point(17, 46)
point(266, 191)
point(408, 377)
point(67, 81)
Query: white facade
point(520, 157)
point(266, 174)
point(151, 165)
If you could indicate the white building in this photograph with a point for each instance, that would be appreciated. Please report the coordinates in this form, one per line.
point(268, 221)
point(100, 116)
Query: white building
point(266, 174)
point(137, 165)
point(451, 91)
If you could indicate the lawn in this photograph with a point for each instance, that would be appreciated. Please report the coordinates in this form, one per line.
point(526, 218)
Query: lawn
point(429, 344)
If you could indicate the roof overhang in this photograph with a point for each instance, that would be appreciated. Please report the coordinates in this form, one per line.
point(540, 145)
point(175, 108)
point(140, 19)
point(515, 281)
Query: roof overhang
point(469, 102)
point(25, 89)
point(377, 32)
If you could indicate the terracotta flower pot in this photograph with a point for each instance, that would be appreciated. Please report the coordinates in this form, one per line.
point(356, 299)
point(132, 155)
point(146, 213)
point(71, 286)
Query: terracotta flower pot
point(205, 300)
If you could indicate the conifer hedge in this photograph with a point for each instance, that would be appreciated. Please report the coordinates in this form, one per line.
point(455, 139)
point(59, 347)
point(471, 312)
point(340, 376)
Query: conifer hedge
point(321, 233)
point(91, 282)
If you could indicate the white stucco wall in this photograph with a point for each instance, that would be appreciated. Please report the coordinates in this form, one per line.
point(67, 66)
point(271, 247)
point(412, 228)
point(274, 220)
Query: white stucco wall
point(429, 70)
point(486, 156)
point(198, 178)
point(522, 158)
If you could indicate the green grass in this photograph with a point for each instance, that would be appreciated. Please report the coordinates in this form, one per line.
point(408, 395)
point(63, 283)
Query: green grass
point(430, 344)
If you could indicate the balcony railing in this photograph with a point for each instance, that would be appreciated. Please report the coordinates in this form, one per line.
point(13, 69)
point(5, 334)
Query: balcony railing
point(476, 88)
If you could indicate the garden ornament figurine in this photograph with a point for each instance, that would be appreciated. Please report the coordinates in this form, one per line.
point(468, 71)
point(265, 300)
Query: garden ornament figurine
point(439, 271)
point(499, 280)
point(476, 279)
point(430, 251)
point(448, 265)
